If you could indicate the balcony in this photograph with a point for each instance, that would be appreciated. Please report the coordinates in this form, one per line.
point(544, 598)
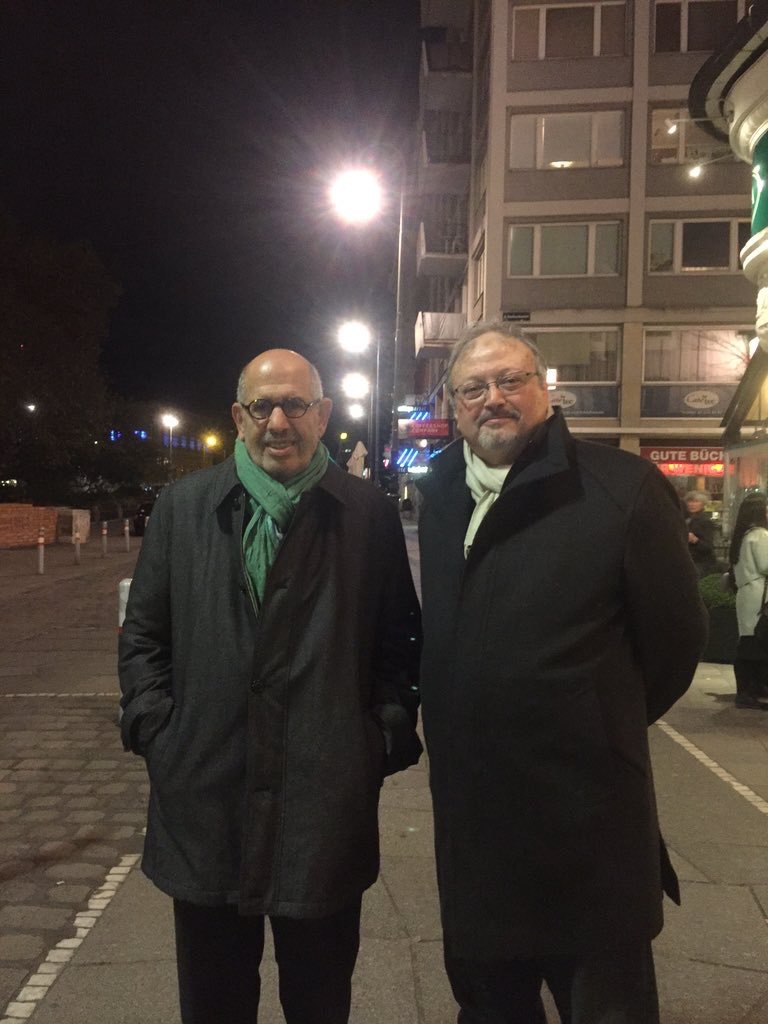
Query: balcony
point(436, 333)
point(438, 175)
point(446, 76)
point(441, 252)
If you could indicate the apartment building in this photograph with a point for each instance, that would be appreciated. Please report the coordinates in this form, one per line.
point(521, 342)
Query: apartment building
point(600, 216)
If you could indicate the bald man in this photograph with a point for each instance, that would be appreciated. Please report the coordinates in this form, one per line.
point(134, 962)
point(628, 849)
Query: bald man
point(267, 664)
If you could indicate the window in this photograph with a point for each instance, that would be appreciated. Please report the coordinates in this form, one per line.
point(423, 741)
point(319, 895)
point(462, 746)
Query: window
point(692, 354)
point(675, 139)
point(696, 246)
point(560, 141)
point(568, 30)
point(589, 355)
point(683, 26)
point(563, 250)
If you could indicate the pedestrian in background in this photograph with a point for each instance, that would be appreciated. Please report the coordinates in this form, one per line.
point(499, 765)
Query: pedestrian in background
point(701, 533)
point(749, 564)
point(561, 616)
point(267, 662)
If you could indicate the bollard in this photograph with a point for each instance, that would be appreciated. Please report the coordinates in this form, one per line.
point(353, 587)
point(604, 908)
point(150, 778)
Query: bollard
point(103, 538)
point(127, 535)
point(77, 547)
point(123, 589)
point(41, 551)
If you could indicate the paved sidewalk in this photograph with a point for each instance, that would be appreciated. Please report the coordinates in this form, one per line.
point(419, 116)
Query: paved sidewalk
point(114, 964)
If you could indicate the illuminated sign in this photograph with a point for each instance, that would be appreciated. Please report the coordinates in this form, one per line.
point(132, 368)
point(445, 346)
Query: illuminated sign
point(759, 183)
point(687, 461)
point(683, 454)
point(425, 428)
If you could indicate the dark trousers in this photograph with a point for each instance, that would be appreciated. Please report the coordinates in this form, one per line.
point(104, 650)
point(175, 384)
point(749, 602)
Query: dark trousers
point(615, 987)
point(750, 667)
point(218, 953)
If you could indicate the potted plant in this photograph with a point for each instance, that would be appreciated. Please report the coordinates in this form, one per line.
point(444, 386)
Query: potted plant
point(723, 627)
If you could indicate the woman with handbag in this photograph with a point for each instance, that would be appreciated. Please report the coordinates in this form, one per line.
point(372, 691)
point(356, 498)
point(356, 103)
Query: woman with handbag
point(748, 554)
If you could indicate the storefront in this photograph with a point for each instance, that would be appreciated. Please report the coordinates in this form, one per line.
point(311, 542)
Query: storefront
point(729, 100)
point(692, 468)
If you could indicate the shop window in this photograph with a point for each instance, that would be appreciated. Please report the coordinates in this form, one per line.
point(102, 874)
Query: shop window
point(563, 250)
point(565, 140)
point(568, 31)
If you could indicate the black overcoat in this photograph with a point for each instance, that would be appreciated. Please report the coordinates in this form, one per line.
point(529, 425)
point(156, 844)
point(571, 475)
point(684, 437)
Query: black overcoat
point(574, 622)
point(262, 733)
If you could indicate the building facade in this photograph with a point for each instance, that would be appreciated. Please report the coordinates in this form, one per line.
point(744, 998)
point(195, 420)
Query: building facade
point(586, 226)
point(729, 98)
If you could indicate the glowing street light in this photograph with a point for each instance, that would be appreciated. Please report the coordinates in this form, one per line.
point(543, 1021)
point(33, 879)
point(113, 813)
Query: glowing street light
point(354, 336)
point(355, 385)
point(170, 421)
point(356, 195)
point(356, 411)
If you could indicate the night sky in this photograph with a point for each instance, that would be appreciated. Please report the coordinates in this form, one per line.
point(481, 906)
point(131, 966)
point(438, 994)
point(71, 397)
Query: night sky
point(192, 144)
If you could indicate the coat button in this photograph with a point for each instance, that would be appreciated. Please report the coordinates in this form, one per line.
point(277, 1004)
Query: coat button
point(254, 686)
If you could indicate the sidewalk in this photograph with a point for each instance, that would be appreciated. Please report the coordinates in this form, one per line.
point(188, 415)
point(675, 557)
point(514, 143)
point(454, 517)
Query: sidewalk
point(712, 958)
point(711, 769)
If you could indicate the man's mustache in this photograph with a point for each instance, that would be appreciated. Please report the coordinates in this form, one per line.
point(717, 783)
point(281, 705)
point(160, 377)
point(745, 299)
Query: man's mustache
point(511, 414)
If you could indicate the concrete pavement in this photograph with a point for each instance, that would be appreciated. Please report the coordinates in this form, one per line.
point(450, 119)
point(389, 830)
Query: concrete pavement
point(112, 958)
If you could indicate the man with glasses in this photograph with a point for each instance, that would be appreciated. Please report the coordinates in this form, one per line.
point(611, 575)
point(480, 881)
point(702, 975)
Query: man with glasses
point(561, 616)
point(268, 663)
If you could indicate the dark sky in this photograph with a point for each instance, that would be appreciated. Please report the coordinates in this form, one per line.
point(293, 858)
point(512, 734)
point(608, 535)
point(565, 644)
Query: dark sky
point(191, 143)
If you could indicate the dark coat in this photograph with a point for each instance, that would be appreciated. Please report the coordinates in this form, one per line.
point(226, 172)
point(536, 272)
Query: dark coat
point(574, 622)
point(263, 735)
point(703, 552)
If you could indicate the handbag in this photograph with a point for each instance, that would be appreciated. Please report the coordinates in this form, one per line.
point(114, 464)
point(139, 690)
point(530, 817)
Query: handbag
point(727, 582)
point(761, 626)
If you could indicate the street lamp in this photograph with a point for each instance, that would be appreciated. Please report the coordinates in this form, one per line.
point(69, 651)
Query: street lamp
point(170, 421)
point(355, 385)
point(357, 197)
point(355, 336)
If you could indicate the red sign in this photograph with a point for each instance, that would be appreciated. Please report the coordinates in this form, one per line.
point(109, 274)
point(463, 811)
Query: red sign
point(686, 454)
point(426, 428)
point(692, 468)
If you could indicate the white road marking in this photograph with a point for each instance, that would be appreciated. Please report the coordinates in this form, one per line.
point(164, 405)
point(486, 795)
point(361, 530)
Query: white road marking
point(738, 787)
point(38, 984)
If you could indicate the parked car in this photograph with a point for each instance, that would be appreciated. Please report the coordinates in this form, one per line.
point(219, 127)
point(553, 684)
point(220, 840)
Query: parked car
point(141, 517)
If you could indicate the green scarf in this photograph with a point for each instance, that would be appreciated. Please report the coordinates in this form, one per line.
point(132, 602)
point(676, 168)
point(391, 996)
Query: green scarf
point(270, 505)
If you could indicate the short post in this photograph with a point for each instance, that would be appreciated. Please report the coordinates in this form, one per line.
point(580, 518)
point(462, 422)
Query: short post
point(103, 537)
point(127, 535)
point(77, 546)
point(41, 551)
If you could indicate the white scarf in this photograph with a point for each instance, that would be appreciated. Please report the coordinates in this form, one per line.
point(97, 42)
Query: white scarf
point(485, 483)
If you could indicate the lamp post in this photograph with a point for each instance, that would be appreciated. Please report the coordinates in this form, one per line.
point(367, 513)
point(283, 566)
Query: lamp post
point(170, 421)
point(357, 195)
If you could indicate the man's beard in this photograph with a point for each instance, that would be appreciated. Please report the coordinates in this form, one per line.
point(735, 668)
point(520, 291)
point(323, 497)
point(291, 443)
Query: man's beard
point(493, 439)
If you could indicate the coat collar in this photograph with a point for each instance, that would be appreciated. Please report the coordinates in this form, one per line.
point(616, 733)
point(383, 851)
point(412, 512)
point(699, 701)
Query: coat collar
point(228, 486)
point(544, 477)
point(549, 452)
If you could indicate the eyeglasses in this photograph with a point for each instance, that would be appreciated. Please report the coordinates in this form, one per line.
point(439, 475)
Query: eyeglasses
point(508, 384)
point(293, 408)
